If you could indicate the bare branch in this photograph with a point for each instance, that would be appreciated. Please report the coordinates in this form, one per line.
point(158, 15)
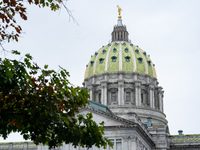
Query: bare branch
point(69, 13)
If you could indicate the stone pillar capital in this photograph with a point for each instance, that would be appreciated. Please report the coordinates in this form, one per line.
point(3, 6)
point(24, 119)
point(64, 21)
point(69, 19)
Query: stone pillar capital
point(104, 83)
point(151, 87)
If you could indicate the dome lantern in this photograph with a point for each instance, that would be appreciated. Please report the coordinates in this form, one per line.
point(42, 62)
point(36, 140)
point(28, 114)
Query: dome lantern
point(119, 32)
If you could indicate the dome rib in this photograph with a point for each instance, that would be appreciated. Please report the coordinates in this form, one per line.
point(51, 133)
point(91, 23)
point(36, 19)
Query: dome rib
point(113, 59)
point(145, 64)
point(108, 54)
point(120, 56)
point(134, 59)
point(96, 60)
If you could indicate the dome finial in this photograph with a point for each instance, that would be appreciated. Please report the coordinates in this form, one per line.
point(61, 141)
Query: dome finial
point(119, 11)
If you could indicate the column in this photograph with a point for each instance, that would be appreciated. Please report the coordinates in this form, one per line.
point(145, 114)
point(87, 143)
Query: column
point(151, 93)
point(104, 94)
point(121, 92)
point(134, 145)
point(10, 146)
point(25, 146)
point(138, 94)
point(161, 105)
point(90, 88)
point(160, 96)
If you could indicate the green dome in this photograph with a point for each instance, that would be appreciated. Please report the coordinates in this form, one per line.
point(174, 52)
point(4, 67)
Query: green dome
point(120, 56)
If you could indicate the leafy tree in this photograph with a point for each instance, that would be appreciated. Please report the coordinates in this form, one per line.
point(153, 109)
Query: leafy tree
point(40, 103)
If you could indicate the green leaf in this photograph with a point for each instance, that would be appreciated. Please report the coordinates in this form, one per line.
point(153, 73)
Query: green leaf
point(45, 66)
point(29, 56)
point(15, 52)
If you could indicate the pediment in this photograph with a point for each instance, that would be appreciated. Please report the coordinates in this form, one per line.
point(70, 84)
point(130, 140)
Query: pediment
point(109, 119)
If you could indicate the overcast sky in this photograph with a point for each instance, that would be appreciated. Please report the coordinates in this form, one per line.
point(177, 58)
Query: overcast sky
point(168, 30)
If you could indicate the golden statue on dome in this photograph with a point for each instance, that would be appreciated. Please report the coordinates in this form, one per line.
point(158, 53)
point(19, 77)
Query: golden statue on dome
point(119, 11)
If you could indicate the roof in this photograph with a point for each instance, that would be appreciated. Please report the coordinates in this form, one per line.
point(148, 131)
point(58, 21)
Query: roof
point(99, 106)
point(120, 56)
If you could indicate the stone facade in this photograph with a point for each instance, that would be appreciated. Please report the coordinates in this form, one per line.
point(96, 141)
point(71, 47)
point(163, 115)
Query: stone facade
point(125, 92)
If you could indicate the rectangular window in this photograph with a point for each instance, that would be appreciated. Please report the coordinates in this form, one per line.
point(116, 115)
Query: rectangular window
point(142, 98)
point(128, 96)
point(113, 96)
point(100, 98)
point(117, 144)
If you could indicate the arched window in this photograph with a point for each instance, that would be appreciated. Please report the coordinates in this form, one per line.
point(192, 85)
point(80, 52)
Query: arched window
point(114, 58)
point(137, 51)
point(127, 58)
point(140, 60)
point(126, 50)
point(104, 51)
point(101, 60)
point(114, 50)
point(149, 62)
point(91, 63)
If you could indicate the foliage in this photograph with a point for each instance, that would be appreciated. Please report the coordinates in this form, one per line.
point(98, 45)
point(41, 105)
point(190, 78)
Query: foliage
point(40, 103)
point(12, 9)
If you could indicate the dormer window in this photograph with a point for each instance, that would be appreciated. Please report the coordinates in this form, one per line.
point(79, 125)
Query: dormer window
point(116, 43)
point(144, 53)
point(124, 43)
point(109, 44)
point(140, 60)
point(137, 51)
point(101, 60)
point(104, 51)
point(154, 65)
point(86, 65)
point(131, 44)
point(96, 53)
point(91, 63)
point(114, 50)
point(149, 62)
point(114, 58)
point(126, 50)
point(127, 58)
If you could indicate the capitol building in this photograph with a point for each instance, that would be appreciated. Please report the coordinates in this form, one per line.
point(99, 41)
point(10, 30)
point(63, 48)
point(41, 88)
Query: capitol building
point(125, 93)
